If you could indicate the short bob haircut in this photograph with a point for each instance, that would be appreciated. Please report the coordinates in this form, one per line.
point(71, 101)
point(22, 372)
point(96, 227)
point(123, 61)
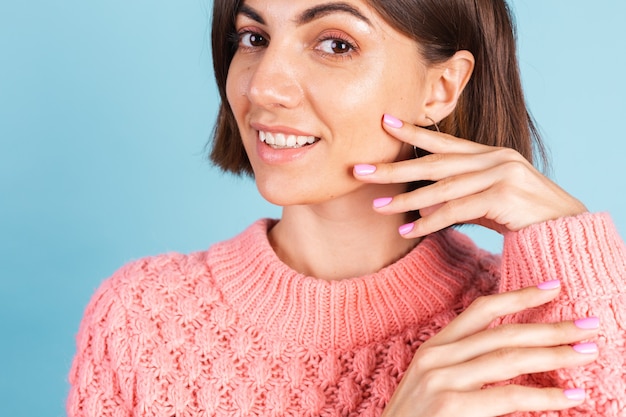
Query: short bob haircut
point(491, 110)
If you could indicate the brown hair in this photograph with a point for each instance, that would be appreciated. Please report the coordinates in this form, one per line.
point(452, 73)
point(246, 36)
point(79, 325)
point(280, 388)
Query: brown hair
point(491, 109)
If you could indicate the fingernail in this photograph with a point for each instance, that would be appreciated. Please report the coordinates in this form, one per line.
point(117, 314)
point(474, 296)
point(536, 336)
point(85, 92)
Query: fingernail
point(586, 347)
point(364, 169)
point(406, 228)
point(576, 394)
point(549, 285)
point(382, 202)
point(389, 120)
point(588, 323)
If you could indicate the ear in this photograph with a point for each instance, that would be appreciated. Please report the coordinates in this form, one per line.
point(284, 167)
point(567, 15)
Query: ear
point(447, 81)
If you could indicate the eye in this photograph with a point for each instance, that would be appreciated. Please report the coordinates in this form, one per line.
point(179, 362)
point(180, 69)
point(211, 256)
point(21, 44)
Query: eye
point(252, 40)
point(335, 46)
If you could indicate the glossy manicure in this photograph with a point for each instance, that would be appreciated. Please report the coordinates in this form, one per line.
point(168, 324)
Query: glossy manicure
point(382, 202)
point(549, 285)
point(586, 348)
point(364, 169)
point(588, 323)
point(389, 120)
point(406, 228)
point(575, 394)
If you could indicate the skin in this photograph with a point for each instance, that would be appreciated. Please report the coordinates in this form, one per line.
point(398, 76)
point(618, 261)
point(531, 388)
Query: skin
point(295, 83)
point(333, 74)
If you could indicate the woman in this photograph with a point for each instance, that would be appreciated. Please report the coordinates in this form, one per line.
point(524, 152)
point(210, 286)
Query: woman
point(362, 300)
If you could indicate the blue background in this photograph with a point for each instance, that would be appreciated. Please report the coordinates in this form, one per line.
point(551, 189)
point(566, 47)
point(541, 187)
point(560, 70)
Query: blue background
point(105, 108)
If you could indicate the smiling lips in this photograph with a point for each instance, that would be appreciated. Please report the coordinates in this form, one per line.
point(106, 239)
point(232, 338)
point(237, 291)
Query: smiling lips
point(286, 141)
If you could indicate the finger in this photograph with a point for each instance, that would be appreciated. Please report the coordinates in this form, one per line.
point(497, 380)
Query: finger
point(428, 140)
point(433, 167)
point(475, 208)
point(485, 309)
point(437, 194)
point(505, 364)
point(500, 400)
point(505, 337)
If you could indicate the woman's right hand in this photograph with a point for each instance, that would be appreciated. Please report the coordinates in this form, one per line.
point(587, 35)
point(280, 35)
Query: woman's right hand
point(448, 373)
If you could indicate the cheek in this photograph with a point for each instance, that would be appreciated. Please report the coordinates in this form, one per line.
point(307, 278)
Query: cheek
point(353, 112)
point(236, 86)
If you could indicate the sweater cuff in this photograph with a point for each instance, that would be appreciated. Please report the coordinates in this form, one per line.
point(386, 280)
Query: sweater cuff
point(584, 252)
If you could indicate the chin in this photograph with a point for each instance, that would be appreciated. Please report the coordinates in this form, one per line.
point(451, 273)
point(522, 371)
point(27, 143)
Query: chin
point(294, 192)
point(286, 196)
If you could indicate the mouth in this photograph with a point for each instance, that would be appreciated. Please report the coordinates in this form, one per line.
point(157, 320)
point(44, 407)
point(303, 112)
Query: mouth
point(286, 141)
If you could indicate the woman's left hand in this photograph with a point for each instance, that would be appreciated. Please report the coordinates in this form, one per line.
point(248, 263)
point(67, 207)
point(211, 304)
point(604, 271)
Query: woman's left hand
point(474, 183)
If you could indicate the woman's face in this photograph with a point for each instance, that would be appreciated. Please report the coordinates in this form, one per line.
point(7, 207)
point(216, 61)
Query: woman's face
point(309, 84)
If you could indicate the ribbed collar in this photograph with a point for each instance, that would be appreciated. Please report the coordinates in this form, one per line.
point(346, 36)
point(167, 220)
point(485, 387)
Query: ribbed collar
point(345, 313)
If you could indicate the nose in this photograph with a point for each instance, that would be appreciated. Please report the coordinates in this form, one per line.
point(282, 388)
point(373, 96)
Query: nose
point(275, 81)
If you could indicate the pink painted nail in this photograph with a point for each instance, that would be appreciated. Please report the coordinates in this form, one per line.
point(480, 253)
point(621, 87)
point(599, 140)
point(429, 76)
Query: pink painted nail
point(549, 285)
point(589, 347)
point(588, 323)
point(382, 202)
point(406, 228)
point(364, 169)
point(389, 120)
point(575, 394)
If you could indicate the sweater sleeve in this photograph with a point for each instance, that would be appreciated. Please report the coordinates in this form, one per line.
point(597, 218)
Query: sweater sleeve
point(100, 377)
point(587, 255)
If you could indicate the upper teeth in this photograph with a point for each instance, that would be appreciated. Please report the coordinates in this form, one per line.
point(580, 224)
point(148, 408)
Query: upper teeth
point(280, 140)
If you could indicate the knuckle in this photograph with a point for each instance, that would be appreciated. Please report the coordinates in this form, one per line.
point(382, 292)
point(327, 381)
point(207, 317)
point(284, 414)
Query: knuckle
point(387, 170)
point(434, 158)
point(445, 186)
point(506, 332)
point(508, 154)
point(432, 380)
point(445, 403)
point(450, 211)
point(516, 168)
point(448, 139)
point(562, 329)
point(510, 355)
point(485, 305)
point(426, 358)
point(517, 396)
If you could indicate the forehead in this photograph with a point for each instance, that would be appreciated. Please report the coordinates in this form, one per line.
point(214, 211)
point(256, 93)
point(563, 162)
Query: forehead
point(305, 11)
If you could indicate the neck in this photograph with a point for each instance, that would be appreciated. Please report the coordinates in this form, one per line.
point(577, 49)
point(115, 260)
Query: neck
point(340, 239)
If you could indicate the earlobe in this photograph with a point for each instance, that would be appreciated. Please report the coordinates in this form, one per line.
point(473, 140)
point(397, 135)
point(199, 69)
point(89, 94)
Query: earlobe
point(447, 83)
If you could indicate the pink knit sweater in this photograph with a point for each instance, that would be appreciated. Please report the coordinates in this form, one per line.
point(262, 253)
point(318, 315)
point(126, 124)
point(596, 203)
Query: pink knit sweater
point(233, 331)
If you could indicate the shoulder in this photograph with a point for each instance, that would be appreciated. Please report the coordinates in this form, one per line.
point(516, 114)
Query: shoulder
point(163, 281)
point(150, 284)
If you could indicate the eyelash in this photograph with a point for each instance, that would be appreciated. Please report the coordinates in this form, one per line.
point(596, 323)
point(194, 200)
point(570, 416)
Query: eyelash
point(236, 40)
point(352, 48)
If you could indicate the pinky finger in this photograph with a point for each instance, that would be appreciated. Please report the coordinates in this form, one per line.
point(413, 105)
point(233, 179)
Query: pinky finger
point(500, 400)
point(463, 210)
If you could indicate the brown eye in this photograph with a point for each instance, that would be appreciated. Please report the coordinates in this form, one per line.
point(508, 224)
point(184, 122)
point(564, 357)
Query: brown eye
point(335, 46)
point(252, 40)
point(339, 47)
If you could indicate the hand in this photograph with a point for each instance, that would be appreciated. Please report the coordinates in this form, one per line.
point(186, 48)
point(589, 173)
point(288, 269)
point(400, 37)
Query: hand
point(474, 183)
point(448, 372)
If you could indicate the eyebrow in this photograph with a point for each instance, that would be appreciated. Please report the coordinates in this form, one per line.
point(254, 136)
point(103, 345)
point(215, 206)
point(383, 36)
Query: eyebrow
point(310, 14)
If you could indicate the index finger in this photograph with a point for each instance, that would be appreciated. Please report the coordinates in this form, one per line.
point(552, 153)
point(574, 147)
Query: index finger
point(433, 142)
point(484, 310)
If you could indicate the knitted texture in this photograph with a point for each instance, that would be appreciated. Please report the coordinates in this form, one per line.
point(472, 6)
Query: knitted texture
point(233, 331)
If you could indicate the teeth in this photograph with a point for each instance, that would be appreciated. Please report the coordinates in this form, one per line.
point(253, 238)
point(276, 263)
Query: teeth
point(280, 140)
